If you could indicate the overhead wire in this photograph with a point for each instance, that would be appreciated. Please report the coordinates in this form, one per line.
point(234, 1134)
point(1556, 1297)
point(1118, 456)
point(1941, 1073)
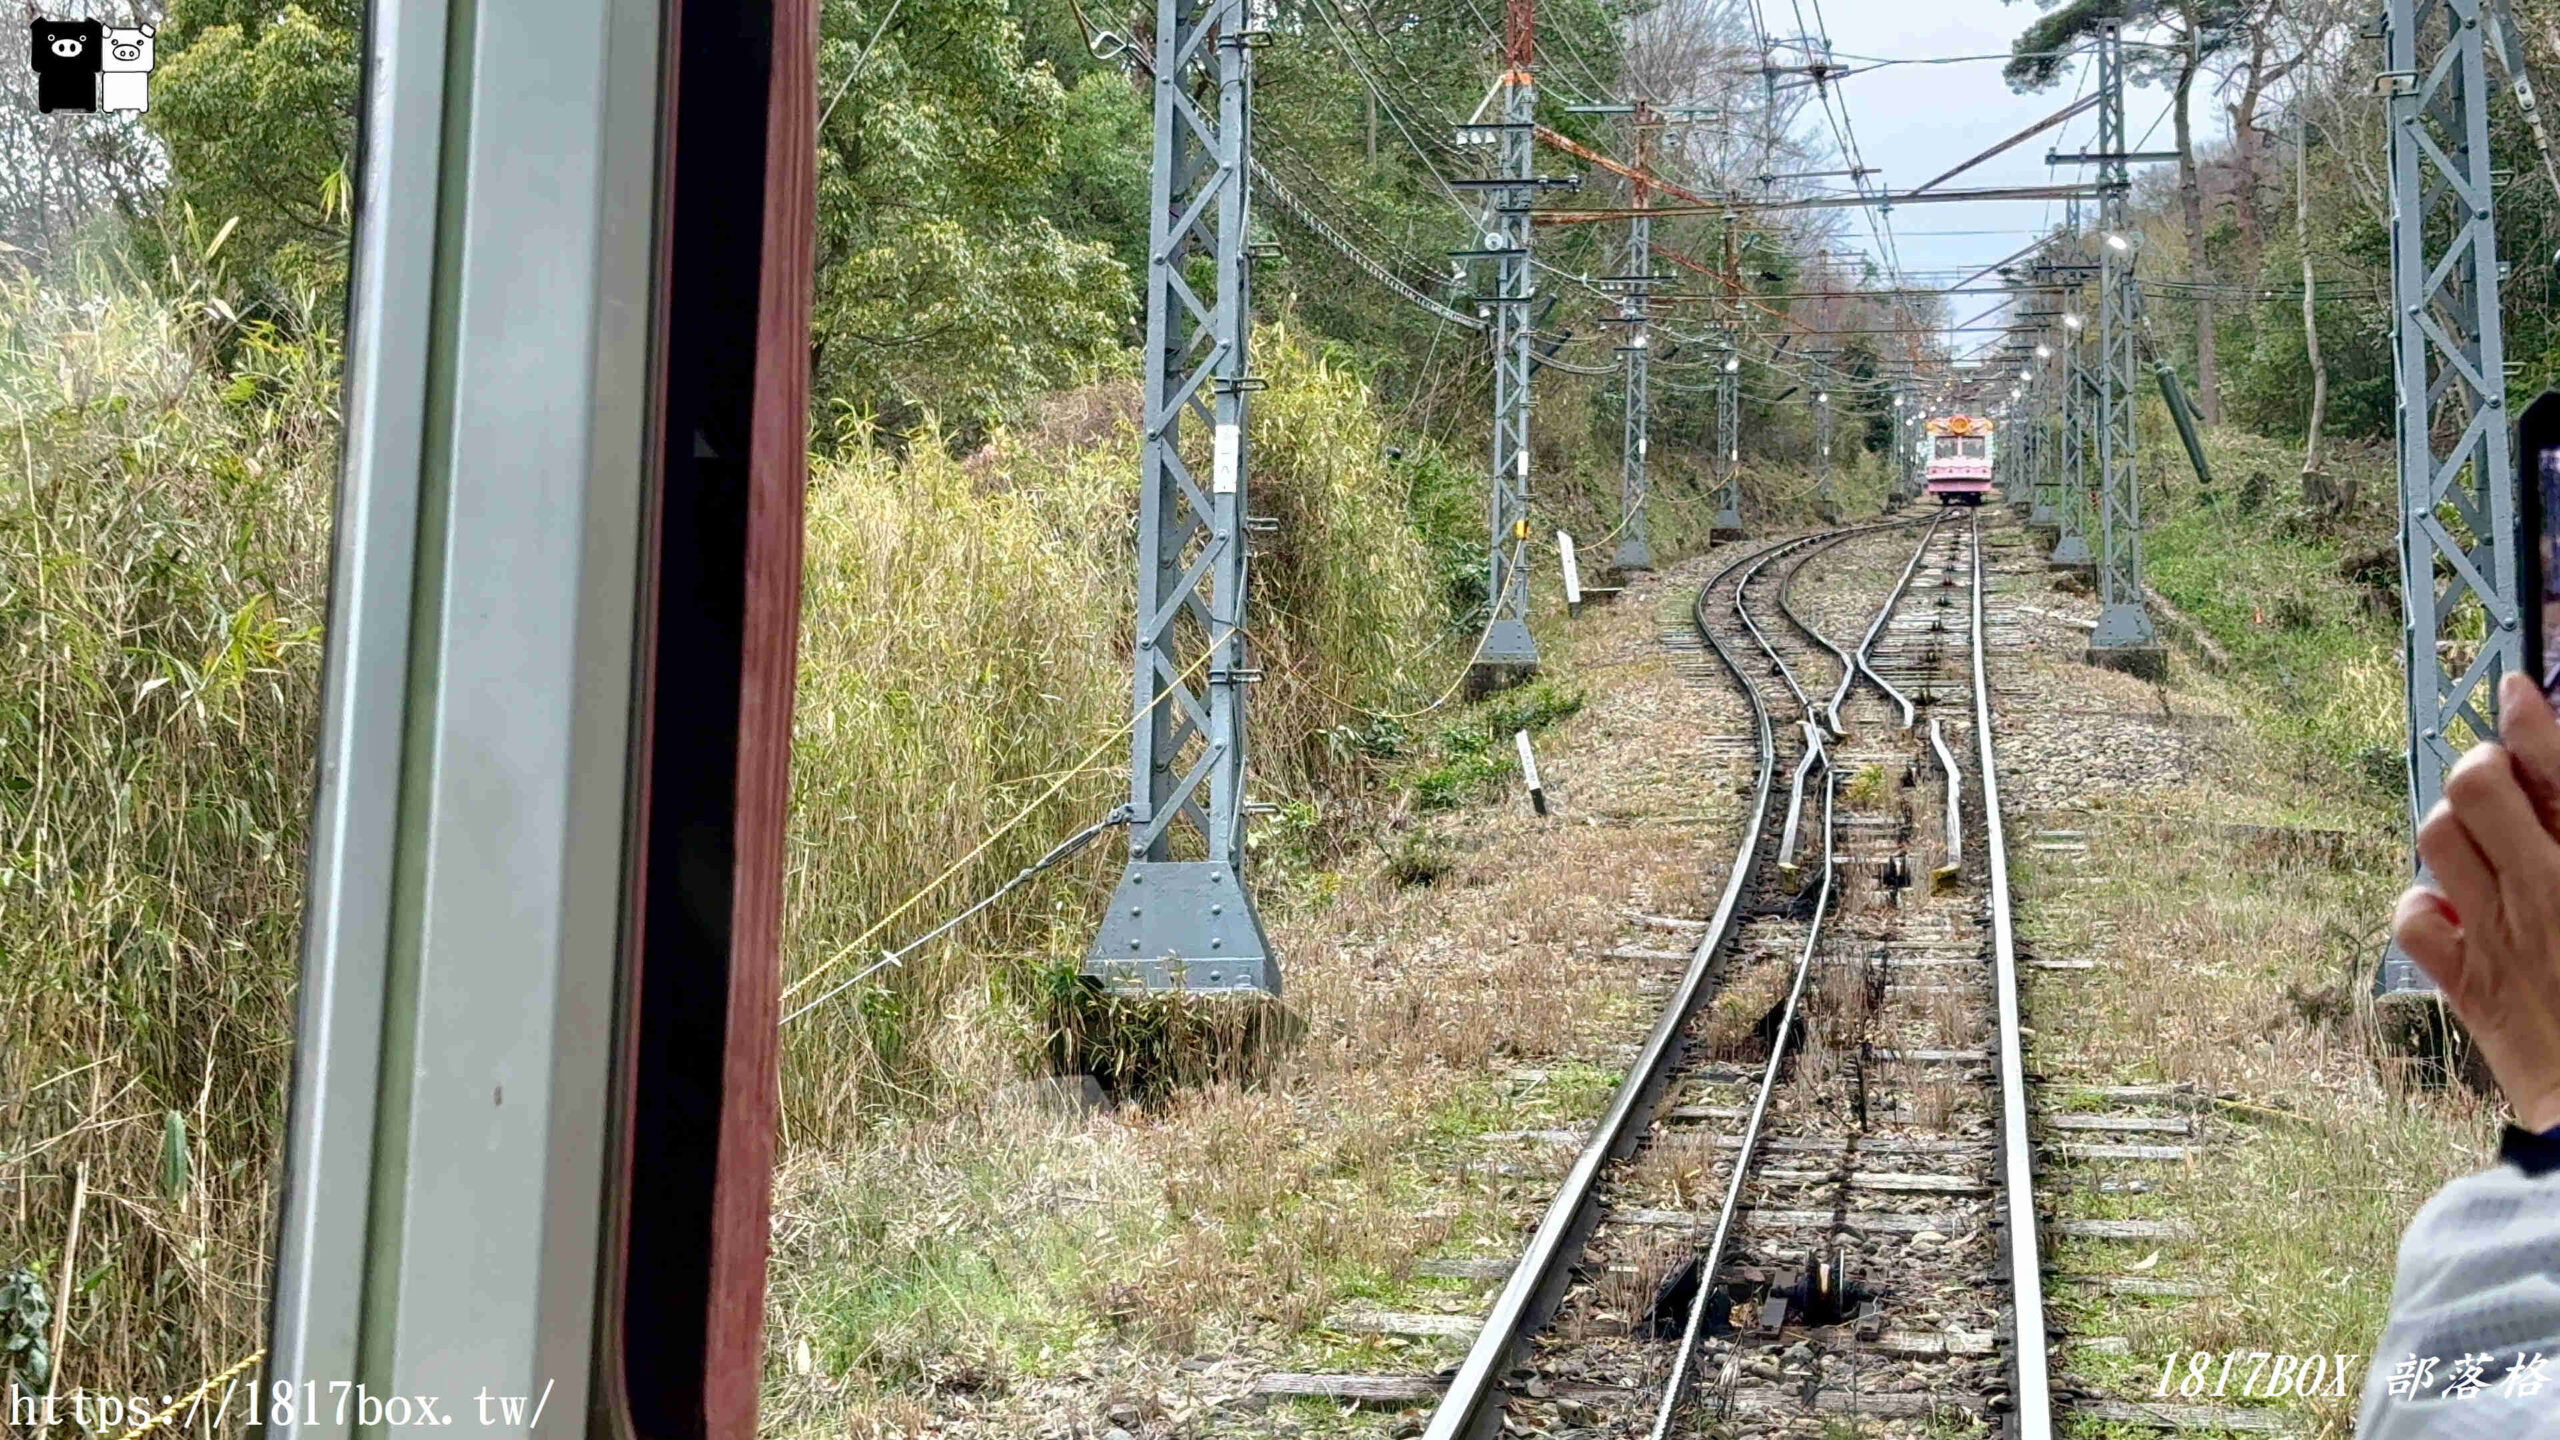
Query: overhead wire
point(1374, 269)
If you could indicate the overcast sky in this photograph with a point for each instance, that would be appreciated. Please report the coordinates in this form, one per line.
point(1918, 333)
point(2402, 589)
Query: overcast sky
point(1913, 122)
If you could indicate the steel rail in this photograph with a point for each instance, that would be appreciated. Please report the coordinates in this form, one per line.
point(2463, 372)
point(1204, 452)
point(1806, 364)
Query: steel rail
point(1816, 734)
point(1674, 1391)
point(1813, 755)
point(1676, 1388)
point(2017, 1160)
point(1828, 719)
point(1867, 644)
point(1777, 665)
point(1955, 798)
point(1472, 1407)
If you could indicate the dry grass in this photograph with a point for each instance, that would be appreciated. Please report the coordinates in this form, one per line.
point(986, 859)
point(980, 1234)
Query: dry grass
point(1844, 999)
point(1956, 1018)
point(1624, 1295)
point(161, 590)
point(2238, 968)
point(1729, 1026)
point(1679, 1168)
point(963, 647)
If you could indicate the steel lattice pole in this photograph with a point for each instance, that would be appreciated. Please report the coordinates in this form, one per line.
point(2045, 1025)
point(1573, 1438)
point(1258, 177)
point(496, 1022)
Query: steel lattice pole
point(1823, 504)
point(2124, 630)
point(2009, 443)
point(1635, 309)
point(2048, 473)
point(2449, 364)
point(2040, 440)
point(1728, 521)
point(1728, 524)
point(1181, 917)
point(1902, 423)
point(2022, 477)
point(2071, 517)
point(1901, 445)
point(1507, 642)
point(2032, 478)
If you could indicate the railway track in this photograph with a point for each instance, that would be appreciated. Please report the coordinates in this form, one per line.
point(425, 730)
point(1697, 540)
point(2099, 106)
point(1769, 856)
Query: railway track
point(1810, 1194)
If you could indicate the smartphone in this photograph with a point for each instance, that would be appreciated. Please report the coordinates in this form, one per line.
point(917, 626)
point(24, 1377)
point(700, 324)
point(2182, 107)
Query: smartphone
point(2538, 538)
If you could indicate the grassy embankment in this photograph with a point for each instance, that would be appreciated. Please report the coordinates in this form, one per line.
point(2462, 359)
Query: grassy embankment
point(2235, 958)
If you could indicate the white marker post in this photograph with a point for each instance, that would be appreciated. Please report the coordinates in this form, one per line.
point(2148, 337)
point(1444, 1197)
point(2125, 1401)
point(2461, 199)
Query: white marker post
point(1572, 574)
point(1529, 772)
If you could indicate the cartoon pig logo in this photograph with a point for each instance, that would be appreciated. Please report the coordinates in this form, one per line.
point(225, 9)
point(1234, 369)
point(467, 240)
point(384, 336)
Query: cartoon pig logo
point(65, 56)
point(125, 83)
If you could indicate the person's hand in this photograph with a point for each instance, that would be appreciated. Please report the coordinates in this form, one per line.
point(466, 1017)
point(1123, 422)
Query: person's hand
point(2488, 934)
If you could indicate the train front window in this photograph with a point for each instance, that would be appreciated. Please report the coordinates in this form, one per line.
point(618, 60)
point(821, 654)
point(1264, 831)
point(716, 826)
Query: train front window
point(1971, 447)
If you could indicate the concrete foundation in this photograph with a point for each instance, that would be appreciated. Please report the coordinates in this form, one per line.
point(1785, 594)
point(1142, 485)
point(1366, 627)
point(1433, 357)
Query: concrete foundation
point(2148, 662)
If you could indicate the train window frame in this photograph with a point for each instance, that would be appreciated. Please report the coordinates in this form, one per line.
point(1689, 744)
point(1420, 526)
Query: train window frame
point(467, 1074)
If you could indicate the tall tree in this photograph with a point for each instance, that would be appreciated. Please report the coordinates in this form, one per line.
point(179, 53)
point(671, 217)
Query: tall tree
point(2182, 37)
point(256, 103)
point(963, 269)
point(2260, 63)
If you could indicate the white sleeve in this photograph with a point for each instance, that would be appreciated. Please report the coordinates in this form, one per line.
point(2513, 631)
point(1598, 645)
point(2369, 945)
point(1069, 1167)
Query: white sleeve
point(2479, 1276)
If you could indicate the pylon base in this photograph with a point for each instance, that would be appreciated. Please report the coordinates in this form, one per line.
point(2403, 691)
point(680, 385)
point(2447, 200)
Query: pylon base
point(1184, 925)
point(2146, 662)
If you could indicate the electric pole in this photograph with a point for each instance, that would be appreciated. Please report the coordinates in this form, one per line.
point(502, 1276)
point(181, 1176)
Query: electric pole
point(1902, 422)
point(1824, 505)
point(2450, 358)
point(1507, 648)
point(1728, 521)
point(2079, 396)
point(1635, 310)
point(1181, 918)
point(2053, 405)
point(2124, 638)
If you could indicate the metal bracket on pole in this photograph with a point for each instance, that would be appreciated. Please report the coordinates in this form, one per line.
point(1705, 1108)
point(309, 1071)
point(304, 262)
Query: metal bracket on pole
point(1181, 918)
point(2449, 353)
point(2124, 638)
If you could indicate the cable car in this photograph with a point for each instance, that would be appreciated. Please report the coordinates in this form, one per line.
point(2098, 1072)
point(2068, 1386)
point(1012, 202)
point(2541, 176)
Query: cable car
point(1959, 468)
